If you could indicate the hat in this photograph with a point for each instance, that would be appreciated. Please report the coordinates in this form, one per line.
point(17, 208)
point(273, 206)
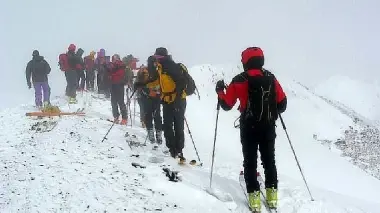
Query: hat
point(252, 58)
point(161, 51)
point(72, 47)
point(115, 57)
point(35, 53)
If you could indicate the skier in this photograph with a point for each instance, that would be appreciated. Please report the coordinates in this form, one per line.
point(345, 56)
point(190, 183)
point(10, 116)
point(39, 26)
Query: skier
point(102, 77)
point(38, 69)
point(173, 95)
point(116, 71)
point(151, 99)
point(131, 61)
point(261, 99)
point(80, 70)
point(71, 74)
point(128, 72)
point(89, 62)
point(140, 96)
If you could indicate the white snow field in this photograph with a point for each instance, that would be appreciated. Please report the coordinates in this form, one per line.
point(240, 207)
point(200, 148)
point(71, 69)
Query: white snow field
point(363, 97)
point(70, 169)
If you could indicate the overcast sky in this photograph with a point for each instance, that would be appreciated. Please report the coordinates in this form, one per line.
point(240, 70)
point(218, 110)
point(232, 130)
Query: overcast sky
point(308, 40)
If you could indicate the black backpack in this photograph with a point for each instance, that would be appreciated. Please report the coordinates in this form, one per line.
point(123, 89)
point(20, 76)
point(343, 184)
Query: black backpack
point(189, 81)
point(261, 106)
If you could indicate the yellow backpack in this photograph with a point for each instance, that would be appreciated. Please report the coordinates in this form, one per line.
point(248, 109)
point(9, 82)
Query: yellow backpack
point(168, 86)
point(154, 87)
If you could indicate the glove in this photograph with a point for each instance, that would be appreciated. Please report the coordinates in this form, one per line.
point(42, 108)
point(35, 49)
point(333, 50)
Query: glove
point(29, 85)
point(138, 84)
point(220, 86)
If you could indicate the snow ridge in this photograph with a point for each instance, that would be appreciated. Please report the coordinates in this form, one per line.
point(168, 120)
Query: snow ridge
point(69, 169)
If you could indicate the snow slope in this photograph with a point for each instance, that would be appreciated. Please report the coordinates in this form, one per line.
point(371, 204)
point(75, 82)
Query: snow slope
point(69, 169)
point(362, 97)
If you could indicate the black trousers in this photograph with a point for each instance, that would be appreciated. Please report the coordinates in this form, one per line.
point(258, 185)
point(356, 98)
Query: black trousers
point(72, 83)
point(140, 101)
point(104, 83)
point(152, 111)
point(90, 79)
point(81, 79)
point(262, 139)
point(117, 101)
point(174, 121)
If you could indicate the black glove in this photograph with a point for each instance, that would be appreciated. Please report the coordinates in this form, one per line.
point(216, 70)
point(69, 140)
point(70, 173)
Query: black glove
point(29, 85)
point(138, 84)
point(220, 86)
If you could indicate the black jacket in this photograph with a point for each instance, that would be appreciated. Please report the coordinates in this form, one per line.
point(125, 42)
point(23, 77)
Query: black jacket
point(174, 71)
point(72, 59)
point(38, 69)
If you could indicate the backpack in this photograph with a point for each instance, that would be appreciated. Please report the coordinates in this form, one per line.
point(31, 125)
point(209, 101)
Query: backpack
point(63, 62)
point(261, 106)
point(189, 81)
point(167, 84)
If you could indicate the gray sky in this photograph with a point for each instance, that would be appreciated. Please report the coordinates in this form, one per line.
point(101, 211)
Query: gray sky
point(308, 40)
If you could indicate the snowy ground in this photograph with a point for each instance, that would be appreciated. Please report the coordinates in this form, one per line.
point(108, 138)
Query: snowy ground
point(70, 169)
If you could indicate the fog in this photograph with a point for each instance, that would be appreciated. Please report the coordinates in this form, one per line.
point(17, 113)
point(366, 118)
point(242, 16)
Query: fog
point(307, 40)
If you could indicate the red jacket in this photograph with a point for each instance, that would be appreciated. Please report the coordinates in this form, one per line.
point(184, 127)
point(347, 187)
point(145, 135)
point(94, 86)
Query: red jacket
point(117, 72)
point(238, 89)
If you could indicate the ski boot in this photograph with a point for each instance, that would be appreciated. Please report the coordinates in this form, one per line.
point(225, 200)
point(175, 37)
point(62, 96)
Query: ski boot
point(123, 121)
point(151, 136)
point(159, 137)
point(271, 196)
point(116, 120)
point(46, 104)
point(182, 160)
point(73, 100)
point(254, 201)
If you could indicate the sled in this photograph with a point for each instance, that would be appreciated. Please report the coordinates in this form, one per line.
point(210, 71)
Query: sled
point(51, 114)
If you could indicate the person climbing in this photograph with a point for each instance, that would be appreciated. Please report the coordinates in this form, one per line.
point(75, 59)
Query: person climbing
point(71, 74)
point(129, 73)
point(38, 70)
point(89, 62)
point(80, 70)
point(173, 96)
point(151, 101)
point(116, 71)
point(261, 100)
point(140, 96)
point(102, 78)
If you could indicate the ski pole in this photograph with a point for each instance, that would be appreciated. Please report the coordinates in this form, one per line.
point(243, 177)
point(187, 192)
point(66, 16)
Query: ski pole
point(129, 104)
point(295, 156)
point(134, 110)
point(213, 149)
point(192, 140)
point(199, 97)
point(109, 130)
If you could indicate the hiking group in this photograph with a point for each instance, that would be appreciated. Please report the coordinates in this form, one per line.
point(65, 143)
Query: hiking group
point(164, 82)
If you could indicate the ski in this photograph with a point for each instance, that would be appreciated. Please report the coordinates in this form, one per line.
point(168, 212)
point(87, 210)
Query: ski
point(262, 189)
point(48, 114)
point(115, 122)
point(263, 193)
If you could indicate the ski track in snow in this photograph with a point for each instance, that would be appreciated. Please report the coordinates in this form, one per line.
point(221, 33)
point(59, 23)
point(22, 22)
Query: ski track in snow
point(69, 169)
